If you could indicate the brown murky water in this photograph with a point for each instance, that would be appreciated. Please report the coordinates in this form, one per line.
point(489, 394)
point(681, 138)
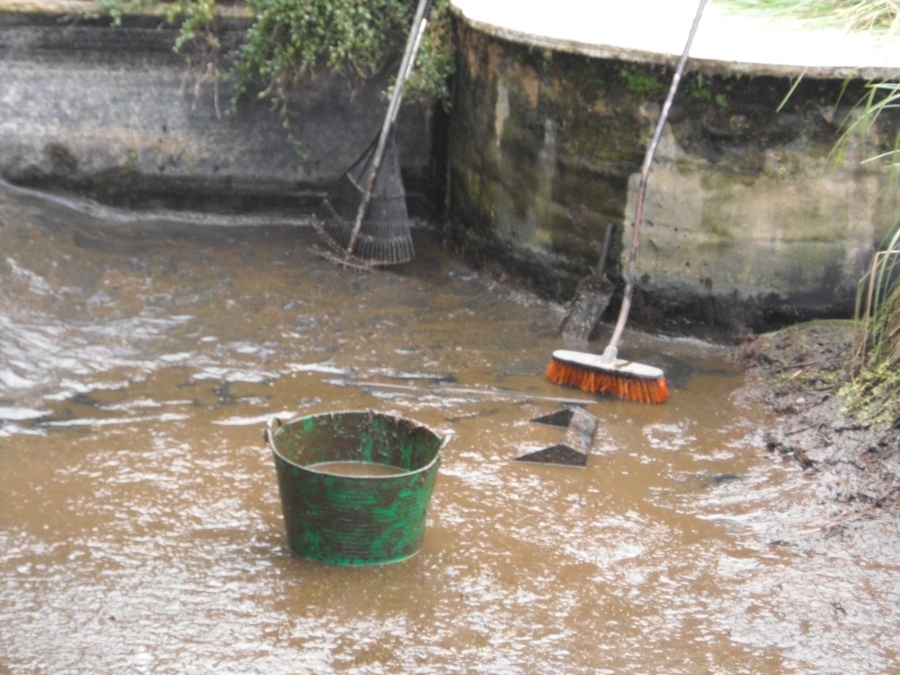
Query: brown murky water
point(355, 469)
point(140, 527)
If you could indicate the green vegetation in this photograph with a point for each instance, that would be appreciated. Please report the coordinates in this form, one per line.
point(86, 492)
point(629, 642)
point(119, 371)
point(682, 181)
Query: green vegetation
point(290, 41)
point(638, 80)
point(872, 392)
point(700, 90)
point(851, 14)
point(874, 389)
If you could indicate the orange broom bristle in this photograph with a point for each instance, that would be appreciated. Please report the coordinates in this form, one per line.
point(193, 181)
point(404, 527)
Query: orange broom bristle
point(621, 385)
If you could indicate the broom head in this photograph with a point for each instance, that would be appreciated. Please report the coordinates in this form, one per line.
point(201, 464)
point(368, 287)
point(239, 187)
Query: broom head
point(384, 237)
point(624, 379)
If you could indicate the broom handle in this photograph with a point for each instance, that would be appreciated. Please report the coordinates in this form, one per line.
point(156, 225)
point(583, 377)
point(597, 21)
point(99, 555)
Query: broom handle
point(412, 45)
point(642, 188)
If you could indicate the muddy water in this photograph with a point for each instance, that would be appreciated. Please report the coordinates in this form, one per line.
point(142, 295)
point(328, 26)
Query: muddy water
point(140, 527)
point(356, 469)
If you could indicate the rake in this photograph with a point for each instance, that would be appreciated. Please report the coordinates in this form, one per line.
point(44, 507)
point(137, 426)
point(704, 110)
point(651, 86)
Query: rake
point(364, 215)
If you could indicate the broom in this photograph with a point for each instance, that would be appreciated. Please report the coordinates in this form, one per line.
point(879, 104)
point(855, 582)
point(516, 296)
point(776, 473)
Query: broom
point(607, 373)
point(364, 216)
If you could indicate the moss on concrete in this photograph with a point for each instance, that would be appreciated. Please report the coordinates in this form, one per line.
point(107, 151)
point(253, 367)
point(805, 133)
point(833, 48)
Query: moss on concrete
point(746, 224)
point(554, 138)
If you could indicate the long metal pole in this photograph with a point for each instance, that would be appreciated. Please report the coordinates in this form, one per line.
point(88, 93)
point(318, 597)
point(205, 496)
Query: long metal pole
point(412, 44)
point(642, 189)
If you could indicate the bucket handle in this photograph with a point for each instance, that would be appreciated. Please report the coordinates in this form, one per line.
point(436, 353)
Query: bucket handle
point(273, 425)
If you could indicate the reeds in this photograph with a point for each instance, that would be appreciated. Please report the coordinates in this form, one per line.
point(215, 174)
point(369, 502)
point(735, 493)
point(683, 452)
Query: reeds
point(874, 388)
point(878, 299)
point(873, 391)
point(878, 308)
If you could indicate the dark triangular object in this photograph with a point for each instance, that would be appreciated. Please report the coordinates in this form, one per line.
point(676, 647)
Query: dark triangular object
point(560, 454)
point(561, 418)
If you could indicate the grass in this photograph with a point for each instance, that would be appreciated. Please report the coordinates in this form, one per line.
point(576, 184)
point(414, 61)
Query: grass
point(858, 15)
point(872, 392)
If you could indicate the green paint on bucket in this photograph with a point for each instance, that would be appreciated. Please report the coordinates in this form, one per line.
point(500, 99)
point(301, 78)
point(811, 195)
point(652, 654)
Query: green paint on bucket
point(355, 520)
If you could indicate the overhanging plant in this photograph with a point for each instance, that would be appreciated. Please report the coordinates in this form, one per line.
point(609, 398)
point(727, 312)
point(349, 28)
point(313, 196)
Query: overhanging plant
point(290, 41)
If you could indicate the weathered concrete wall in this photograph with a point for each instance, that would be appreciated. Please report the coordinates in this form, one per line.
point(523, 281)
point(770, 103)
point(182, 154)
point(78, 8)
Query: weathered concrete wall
point(746, 223)
point(114, 113)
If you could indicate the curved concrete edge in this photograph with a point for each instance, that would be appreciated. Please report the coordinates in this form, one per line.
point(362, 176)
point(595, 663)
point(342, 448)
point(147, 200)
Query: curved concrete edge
point(746, 225)
point(655, 31)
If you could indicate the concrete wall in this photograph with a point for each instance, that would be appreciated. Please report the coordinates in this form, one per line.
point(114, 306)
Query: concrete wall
point(746, 222)
point(115, 114)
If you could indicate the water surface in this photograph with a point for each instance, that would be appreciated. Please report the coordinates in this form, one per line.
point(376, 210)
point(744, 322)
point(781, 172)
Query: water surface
point(140, 527)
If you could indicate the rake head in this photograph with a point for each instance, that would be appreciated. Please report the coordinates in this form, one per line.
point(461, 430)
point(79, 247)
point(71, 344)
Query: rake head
point(384, 237)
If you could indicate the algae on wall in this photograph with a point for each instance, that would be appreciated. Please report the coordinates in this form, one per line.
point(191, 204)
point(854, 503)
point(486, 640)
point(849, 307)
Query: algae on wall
point(745, 203)
point(746, 222)
point(541, 146)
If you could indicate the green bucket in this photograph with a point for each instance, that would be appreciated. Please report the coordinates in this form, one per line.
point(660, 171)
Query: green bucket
point(347, 519)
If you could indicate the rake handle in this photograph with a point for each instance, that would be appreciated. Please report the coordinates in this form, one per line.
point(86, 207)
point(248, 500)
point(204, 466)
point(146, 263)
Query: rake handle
point(642, 188)
point(420, 21)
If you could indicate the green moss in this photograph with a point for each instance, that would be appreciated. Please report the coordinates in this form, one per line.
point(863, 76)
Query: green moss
point(586, 77)
point(595, 109)
point(712, 223)
point(702, 89)
point(599, 125)
point(873, 397)
point(640, 81)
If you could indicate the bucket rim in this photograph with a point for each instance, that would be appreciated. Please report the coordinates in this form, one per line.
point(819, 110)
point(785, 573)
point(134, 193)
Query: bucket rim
point(274, 423)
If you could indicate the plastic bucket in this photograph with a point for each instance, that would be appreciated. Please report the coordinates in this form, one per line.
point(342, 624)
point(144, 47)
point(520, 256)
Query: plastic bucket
point(355, 520)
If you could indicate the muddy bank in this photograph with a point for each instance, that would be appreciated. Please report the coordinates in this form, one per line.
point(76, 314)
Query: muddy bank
point(855, 464)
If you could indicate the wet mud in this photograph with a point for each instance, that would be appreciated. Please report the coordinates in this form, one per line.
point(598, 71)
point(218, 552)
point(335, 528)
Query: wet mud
point(855, 463)
point(141, 355)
